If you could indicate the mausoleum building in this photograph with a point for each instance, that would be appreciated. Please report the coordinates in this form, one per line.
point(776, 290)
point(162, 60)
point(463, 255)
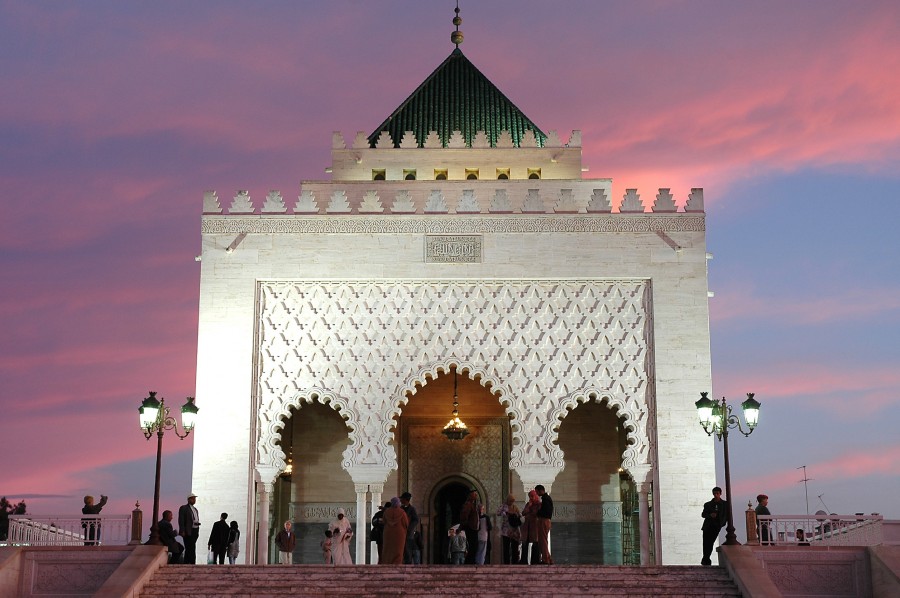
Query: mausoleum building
point(456, 255)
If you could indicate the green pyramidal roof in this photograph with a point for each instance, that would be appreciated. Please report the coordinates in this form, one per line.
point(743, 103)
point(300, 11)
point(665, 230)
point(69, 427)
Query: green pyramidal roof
point(457, 97)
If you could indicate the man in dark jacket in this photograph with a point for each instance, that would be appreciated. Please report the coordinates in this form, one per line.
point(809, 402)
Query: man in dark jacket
point(411, 554)
point(218, 539)
point(715, 517)
point(544, 515)
point(189, 529)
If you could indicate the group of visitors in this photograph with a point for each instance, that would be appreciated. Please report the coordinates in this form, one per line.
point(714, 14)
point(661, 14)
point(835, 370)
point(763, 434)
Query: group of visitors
point(397, 533)
point(224, 538)
point(522, 532)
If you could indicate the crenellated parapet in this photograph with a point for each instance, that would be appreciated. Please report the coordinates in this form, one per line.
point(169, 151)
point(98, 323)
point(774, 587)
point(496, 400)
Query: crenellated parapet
point(455, 141)
point(461, 198)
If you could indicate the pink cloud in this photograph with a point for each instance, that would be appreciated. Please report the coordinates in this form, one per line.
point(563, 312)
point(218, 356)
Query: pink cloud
point(882, 462)
point(742, 304)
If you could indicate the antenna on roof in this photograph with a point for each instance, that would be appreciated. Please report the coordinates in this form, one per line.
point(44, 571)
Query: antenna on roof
point(457, 36)
point(805, 487)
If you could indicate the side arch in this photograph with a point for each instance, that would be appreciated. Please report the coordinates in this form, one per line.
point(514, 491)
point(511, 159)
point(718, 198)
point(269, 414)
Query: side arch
point(636, 457)
point(270, 456)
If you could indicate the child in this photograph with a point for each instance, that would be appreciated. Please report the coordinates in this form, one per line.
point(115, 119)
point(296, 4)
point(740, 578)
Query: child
point(458, 546)
point(326, 547)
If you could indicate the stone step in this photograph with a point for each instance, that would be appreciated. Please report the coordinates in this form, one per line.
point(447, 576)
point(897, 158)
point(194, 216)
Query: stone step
point(261, 581)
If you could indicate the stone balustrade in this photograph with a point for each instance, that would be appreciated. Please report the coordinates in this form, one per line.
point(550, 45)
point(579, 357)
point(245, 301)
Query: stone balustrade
point(822, 530)
point(27, 530)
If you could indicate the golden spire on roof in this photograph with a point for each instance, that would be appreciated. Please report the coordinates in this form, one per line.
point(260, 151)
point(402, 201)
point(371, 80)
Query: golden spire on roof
point(457, 36)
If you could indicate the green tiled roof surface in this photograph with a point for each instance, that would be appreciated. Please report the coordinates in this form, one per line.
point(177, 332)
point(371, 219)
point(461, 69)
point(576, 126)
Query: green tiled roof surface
point(457, 97)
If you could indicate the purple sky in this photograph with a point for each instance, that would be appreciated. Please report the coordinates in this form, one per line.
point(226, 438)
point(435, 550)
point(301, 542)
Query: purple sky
point(116, 116)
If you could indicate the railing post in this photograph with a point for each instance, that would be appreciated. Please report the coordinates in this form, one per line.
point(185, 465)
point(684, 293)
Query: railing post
point(752, 535)
point(137, 524)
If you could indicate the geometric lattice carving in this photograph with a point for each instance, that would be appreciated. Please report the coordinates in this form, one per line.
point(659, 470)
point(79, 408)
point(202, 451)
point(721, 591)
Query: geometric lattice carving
point(542, 347)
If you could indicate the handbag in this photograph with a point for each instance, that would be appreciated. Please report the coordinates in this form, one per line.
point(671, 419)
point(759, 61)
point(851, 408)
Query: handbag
point(514, 520)
point(210, 558)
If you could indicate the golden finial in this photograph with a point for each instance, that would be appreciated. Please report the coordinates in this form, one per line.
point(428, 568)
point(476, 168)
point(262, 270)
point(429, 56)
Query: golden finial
point(457, 36)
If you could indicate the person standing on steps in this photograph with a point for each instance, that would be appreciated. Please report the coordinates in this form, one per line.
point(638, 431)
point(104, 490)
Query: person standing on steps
point(468, 523)
point(544, 515)
point(218, 539)
point(377, 533)
point(286, 541)
point(529, 531)
point(189, 529)
point(234, 542)
point(715, 517)
point(411, 554)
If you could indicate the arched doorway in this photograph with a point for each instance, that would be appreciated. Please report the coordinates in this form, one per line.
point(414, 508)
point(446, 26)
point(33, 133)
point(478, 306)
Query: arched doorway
point(439, 471)
point(448, 501)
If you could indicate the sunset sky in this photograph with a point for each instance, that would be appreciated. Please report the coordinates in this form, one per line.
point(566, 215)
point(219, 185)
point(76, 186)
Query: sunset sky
point(115, 117)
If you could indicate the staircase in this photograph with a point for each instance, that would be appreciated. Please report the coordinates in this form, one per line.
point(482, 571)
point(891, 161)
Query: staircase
point(564, 581)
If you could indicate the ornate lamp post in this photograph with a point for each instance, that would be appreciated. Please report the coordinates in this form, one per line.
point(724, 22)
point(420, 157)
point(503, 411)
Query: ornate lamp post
point(155, 418)
point(716, 418)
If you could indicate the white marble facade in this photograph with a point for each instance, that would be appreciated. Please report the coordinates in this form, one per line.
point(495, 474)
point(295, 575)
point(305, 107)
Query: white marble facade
point(546, 290)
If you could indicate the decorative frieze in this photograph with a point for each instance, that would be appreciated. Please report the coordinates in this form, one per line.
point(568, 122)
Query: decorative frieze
point(369, 224)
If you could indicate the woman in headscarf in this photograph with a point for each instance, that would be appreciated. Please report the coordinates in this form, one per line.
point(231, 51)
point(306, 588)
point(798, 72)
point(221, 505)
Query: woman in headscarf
point(341, 536)
point(529, 532)
point(396, 524)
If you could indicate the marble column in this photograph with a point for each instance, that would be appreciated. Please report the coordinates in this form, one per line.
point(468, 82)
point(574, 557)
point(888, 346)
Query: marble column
point(262, 532)
point(361, 522)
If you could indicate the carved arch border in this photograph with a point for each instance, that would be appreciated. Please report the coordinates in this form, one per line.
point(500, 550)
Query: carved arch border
point(636, 456)
point(486, 378)
point(268, 450)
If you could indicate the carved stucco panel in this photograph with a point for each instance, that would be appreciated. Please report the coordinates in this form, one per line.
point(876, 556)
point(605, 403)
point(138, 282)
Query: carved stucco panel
point(541, 345)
